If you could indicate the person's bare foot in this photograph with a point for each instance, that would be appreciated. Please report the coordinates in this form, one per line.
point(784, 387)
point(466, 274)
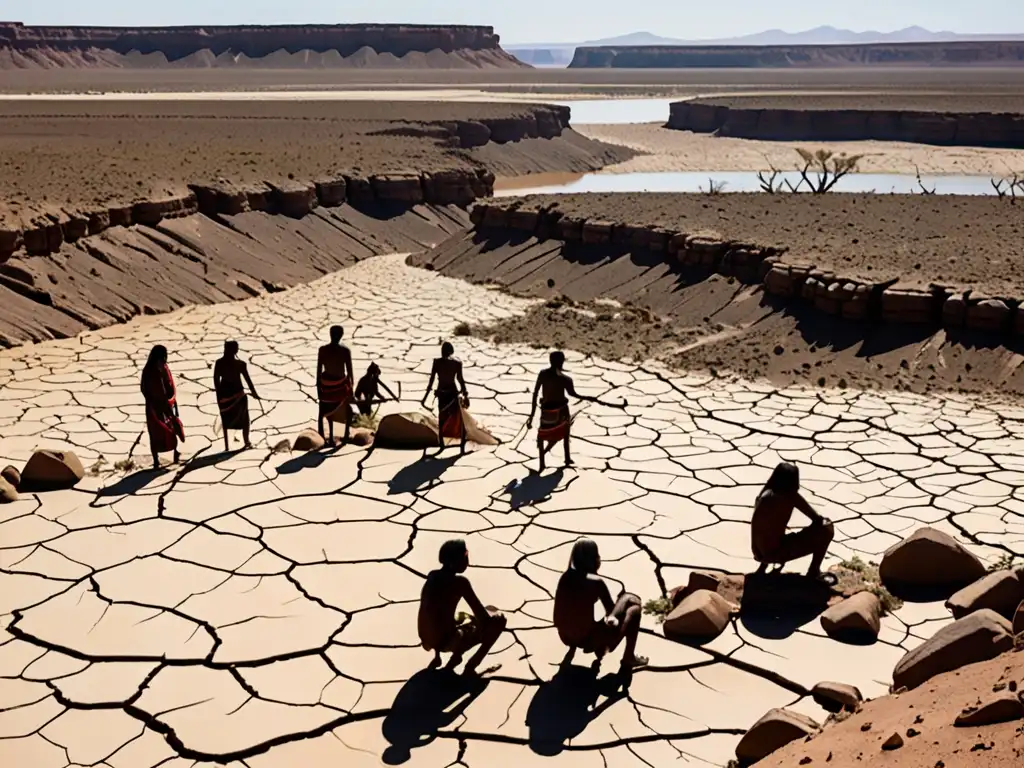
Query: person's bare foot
point(247, 447)
point(177, 457)
point(435, 662)
point(473, 673)
point(570, 463)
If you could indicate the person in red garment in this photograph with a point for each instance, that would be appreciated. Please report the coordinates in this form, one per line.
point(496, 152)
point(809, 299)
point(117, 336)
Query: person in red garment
point(334, 379)
point(452, 396)
point(162, 419)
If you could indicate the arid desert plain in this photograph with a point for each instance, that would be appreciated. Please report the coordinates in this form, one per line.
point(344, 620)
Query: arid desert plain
point(258, 608)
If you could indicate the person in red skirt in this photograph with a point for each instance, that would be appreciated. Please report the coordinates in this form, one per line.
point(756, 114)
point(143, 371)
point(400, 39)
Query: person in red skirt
point(162, 420)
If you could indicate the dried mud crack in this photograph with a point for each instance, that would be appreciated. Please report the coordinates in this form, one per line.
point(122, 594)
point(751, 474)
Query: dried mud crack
point(258, 609)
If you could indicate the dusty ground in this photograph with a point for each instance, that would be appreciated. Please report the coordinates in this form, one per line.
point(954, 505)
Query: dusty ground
point(664, 150)
point(87, 153)
point(934, 101)
point(973, 81)
point(258, 610)
point(970, 241)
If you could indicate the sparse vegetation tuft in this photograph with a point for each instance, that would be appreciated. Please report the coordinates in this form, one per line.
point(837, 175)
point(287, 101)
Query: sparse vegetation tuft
point(1009, 186)
point(715, 187)
point(98, 466)
point(366, 421)
point(1004, 562)
point(659, 607)
point(124, 465)
point(866, 575)
point(462, 329)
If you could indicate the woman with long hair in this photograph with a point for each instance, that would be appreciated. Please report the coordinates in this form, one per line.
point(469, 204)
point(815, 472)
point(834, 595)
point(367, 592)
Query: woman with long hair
point(162, 420)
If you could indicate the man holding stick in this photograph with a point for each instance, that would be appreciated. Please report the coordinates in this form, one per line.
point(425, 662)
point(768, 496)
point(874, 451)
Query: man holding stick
point(553, 385)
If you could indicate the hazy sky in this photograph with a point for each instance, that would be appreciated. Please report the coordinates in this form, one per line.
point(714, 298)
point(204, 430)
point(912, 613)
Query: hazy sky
point(546, 20)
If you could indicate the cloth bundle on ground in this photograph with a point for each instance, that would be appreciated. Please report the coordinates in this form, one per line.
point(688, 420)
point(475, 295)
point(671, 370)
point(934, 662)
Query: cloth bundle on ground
point(418, 430)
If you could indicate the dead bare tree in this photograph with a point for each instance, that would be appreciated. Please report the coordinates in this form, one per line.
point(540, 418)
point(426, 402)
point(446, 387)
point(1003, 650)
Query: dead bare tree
point(1009, 186)
point(770, 184)
point(714, 187)
point(823, 169)
point(920, 183)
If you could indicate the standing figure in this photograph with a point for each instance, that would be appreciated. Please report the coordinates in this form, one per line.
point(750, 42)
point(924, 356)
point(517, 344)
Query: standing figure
point(334, 383)
point(579, 590)
point(228, 373)
point(368, 390)
point(162, 420)
point(769, 541)
point(553, 386)
point(439, 629)
point(452, 396)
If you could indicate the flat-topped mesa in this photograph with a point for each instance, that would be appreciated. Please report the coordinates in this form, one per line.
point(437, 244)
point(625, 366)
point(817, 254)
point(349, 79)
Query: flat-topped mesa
point(950, 54)
point(975, 129)
point(37, 44)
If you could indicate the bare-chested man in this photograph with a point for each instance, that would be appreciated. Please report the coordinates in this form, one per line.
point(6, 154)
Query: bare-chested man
point(334, 384)
point(553, 386)
point(579, 590)
point(228, 373)
point(452, 396)
point(770, 543)
point(439, 629)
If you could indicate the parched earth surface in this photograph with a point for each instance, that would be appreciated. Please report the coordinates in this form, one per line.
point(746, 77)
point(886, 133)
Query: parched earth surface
point(73, 153)
point(258, 609)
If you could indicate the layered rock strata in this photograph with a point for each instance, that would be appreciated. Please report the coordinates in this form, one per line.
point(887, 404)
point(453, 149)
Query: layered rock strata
point(975, 129)
point(959, 53)
point(782, 278)
point(37, 46)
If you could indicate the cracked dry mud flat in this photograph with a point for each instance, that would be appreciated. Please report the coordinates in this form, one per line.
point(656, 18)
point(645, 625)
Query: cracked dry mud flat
point(258, 609)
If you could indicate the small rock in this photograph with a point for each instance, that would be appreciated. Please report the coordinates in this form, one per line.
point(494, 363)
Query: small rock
point(866, 727)
point(835, 697)
point(52, 471)
point(308, 440)
point(12, 476)
point(893, 742)
point(775, 730)
point(912, 732)
point(8, 493)
point(1001, 591)
point(855, 619)
point(1003, 707)
point(929, 559)
point(704, 615)
point(805, 761)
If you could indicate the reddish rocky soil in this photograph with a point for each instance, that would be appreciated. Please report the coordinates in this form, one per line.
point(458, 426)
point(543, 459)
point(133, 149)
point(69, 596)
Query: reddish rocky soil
point(84, 154)
point(924, 719)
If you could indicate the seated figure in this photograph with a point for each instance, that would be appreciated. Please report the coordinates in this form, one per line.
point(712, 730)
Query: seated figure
point(770, 542)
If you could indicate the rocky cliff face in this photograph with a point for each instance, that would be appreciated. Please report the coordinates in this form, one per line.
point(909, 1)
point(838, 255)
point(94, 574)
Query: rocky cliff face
point(27, 46)
point(943, 128)
point(739, 56)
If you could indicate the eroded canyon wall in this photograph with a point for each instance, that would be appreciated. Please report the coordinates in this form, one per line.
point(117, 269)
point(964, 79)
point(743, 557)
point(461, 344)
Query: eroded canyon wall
point(973, 129)
point(991, 53)
point(287, 45)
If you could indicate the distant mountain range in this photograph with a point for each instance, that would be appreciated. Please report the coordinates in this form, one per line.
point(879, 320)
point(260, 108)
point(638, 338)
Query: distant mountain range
point(559, 54)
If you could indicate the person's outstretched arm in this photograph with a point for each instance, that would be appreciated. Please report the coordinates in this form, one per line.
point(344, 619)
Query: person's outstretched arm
point(430, 384)
point(808, 510)
point(533, 403)
point(245, 375)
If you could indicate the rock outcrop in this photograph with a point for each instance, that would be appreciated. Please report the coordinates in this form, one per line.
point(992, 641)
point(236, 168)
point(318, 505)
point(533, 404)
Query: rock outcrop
point(981, 636)
point(1001, 707)
point(835, 697)
point(773, 731)
point(51, 471)
point(781, 275)
point(239, 46)
point(974, 129)
point(1000, 591)
point(959, 53)
point(929, 560)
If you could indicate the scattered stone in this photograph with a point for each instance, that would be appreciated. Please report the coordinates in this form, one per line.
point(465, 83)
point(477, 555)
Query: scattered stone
point(12, 476)
point(865, 727)
point(775, 730)
point(929, 559)
point(702, 616)
point(805, 760)
point(855, 619)
point(835, 697)
point(308, 440)
point(282, 446)
point(980, 636)
point(1004, 707)
point(8, 493)
point(51, 471)
point(893, 742)
point(912, 732)
point(1000, 591)
point(407, 430)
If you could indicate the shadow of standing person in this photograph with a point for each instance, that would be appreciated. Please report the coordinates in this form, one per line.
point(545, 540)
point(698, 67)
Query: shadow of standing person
point(432, 699)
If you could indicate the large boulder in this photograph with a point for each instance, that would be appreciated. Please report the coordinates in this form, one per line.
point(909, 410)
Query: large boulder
point(1000, 591)
point(702, 616)
point(1018, 620)
point(772, 732)
point(1001, 707)
point(308, 440)
point(12, 476)
point(51, 471)
point(8, 492)
point(406, 430)
point(980, 636)
point(835, 697)
point(929, 560)
point(856, 619)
